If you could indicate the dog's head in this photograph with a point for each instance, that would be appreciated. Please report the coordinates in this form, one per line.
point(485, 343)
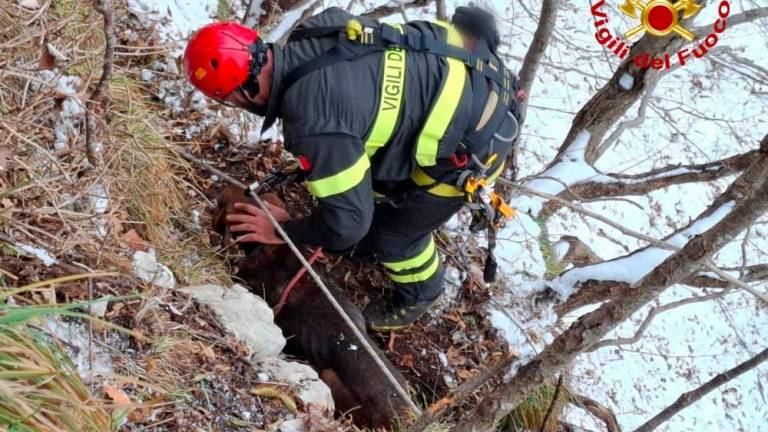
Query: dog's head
point(258, 256)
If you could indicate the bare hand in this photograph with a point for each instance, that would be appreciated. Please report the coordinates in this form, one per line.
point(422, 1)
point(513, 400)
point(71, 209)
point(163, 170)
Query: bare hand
point(254, 223)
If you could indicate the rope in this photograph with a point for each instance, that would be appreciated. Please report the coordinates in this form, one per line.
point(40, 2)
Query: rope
point(360, 337)
point(294, 280)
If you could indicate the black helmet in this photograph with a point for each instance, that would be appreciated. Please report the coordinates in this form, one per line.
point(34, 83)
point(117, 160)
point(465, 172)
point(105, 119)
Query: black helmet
point(477, 23)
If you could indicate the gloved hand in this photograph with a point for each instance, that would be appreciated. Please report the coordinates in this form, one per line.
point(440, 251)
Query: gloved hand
point(253, 225)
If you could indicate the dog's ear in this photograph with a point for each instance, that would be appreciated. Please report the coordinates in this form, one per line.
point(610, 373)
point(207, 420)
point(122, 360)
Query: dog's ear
point(226, 200)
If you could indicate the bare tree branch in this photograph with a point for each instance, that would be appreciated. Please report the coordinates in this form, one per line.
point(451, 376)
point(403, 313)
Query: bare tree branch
point(748, 192)
point(733, 20)
point(640, 184)
point(688, 398)
point(441, 13)
point(651, 315)
point(92, 149)
point(598, 410)
point(531, 62)
point(390, 8)
point(458, 395)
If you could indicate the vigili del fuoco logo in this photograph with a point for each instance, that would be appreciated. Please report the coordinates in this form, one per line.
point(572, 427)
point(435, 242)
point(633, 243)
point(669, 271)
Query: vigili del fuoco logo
point(659, 18)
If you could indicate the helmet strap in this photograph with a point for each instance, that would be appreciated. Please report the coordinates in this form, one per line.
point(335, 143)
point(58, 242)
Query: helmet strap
point(259, 58)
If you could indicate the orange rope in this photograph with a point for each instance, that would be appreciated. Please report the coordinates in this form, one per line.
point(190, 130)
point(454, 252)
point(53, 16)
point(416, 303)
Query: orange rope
point(292, 283)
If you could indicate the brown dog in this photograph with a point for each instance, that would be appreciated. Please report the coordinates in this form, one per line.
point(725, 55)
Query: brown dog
point(315, 331)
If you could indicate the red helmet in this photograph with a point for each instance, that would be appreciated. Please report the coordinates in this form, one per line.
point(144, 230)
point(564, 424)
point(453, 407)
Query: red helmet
point(217, 59)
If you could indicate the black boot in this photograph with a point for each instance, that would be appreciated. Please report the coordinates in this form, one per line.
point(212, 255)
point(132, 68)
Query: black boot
point(395, 312)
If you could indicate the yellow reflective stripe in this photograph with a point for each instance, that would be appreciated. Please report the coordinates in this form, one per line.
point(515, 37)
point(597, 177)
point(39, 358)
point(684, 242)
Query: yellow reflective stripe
point(415, 262)
point(392, 86)
point(445, 106)
point(444, 189)
point(420, 276)
point(341, 181)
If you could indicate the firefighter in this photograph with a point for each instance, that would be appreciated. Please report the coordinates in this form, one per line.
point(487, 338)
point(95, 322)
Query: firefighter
point(391, 124)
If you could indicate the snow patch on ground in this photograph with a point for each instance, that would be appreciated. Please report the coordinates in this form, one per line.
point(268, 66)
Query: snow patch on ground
point(43, 255)
point(176, 20)
point(146, 268)
point(91, 359)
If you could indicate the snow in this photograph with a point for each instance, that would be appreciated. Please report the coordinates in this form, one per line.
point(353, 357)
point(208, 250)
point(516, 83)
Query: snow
point(37, 252)
point(570, 169)
point(176, 20)
point(146, 268)
point(635, 266)
point(626, 81)
point(90, 358)
point(99, 198)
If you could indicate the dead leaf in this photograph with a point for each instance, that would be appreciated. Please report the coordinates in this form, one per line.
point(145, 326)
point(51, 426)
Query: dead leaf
point(455, 358)
point(118, 396)
point(135, 242)
point(464, 374)
point(441, 404)
point(407, 361)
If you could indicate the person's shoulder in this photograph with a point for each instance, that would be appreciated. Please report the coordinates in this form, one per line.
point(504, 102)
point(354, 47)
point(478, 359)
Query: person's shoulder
point(331, 17)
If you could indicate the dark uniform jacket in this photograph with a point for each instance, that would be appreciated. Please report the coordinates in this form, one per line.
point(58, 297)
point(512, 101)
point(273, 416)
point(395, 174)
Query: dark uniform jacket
point(330, 118)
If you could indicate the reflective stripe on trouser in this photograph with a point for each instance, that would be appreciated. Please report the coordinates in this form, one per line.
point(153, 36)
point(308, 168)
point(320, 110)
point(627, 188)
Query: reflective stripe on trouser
point(402, 238)
point(417, 268)
point(419, 276)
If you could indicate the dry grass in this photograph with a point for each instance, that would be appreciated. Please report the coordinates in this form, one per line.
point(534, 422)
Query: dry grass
point(46, 200)
point(40, 389)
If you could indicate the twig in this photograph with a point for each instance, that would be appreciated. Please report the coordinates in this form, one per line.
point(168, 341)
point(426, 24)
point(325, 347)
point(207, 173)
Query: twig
point(92, 149)
point(460, 393)
point(694, 395)
point(652, 314)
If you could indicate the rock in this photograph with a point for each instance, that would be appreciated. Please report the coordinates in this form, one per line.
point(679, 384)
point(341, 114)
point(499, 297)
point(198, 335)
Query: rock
point(293, 425)
point(310, 389)
point(146, 268)
point(99, 307)
point(245, 315)
point(29, 4)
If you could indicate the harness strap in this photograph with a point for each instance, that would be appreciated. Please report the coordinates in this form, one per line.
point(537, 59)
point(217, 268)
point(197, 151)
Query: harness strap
point(446, 190)
point(339, 53)
point(314, 32)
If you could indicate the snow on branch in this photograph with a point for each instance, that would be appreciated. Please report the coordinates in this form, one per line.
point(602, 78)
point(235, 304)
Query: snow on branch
point(570, 168)
point(633, 267)
point(730, 214)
